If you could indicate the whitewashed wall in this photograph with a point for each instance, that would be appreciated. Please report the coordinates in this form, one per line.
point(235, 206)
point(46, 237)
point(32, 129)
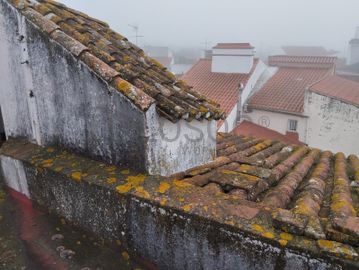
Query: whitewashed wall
point(232, 60)
point(333, 124)
point(177, 147)
point(278, 121)
point(14, 175)
point(231, 120)
point(257, 73)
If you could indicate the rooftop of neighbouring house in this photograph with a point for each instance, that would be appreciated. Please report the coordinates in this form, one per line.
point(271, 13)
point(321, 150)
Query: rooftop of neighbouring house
point(221, 87)
point(338, 88)
point(307, 51)
point(247, 128)
point(165, 61)
point(120, 63)
point(352, 69)
point(284, 91)
point(233, 46)
point(310, 193)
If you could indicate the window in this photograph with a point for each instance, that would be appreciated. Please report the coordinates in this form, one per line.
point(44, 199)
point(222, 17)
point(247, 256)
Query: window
point(292, 125)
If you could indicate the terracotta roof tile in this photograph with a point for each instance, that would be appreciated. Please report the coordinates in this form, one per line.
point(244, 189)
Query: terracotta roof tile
point(220, 87)
point(284, 91)
point(309, 193)
point(250, 129)
point(338, 88)
point(302, 61)
point(233, 46)
point(112, 56)
point(307, 51)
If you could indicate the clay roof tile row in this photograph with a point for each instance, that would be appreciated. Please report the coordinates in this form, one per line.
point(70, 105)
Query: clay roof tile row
point(119, 62)
point(284, 91)
point(221, 87)
point(308, 192)
point(338, 88)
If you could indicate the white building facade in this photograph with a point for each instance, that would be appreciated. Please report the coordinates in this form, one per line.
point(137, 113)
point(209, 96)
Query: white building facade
point(333, 120)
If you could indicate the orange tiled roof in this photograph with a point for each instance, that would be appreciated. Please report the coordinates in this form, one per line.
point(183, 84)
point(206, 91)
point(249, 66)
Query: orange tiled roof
point(338, 88)
point(302, 61)
point(308, 193)
point(119, 62)
point(233, 46)
point(284, 91)
point(220, 87)
point(307, 51)
point(247, 128)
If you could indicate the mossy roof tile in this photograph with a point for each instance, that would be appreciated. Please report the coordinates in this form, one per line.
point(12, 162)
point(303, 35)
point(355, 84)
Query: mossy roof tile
point(111, 55)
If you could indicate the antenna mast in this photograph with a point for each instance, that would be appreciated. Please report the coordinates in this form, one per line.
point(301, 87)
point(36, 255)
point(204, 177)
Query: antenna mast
point(135, 28)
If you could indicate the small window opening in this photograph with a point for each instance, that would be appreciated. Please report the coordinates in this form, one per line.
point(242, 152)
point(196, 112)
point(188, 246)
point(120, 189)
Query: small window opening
point(292, 125)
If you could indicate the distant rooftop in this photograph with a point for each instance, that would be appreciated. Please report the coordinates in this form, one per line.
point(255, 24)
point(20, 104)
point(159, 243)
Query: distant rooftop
point(221, 87)
point(302, 61)
point(338, 88)
point(233, 46)
point(284, 91)
point(250, 129)
point(307, 51)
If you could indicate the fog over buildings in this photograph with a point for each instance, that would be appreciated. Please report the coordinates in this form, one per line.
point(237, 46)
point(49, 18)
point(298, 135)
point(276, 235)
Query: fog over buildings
point(266, 24)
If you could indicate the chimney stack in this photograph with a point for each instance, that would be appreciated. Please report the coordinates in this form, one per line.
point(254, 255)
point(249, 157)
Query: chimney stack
point(232, 58)
point(353, 52)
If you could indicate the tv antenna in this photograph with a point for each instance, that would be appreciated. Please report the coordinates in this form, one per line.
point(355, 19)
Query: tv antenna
point(206, 44)
point(135, 28)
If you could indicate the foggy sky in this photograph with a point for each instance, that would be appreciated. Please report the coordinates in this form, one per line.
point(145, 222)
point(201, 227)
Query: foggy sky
point(264, 23)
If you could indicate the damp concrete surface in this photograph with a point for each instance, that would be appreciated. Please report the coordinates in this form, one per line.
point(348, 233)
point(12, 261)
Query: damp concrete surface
point(34, 240)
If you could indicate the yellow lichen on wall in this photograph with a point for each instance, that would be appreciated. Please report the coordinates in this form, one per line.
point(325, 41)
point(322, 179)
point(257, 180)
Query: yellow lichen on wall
point(326, 244)
point(77, 176)
point(268, 235)
point(125, 172)
point(163, 201)
point(111, 180)
point(132, 182)
point(257, 228)
point(125, 255)
point(187, 207)
point(164, 186)
point(286, 236)
point(142, 192)
point(181, 184)
point(47, 163)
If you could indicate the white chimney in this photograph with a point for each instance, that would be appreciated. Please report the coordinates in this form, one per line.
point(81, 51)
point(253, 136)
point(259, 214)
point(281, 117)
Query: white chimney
point(353, 52)
point(232, 58)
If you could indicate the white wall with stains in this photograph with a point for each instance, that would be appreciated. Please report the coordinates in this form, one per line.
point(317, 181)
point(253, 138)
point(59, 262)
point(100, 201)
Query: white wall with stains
point(176, 147)
point(231, 121)
point(14, 175)
point(333, 124)
point(278, 121)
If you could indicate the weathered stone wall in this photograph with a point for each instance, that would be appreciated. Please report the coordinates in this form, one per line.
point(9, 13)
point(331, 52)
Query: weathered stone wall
point(49, 97)
point(332, 124)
